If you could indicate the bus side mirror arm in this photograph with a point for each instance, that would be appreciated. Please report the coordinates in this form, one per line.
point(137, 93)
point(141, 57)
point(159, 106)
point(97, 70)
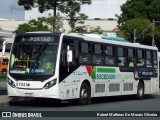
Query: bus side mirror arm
point(69, 56)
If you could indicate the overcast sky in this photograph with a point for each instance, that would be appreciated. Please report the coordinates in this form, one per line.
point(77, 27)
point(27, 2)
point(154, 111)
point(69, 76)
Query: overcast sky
point(9, 9)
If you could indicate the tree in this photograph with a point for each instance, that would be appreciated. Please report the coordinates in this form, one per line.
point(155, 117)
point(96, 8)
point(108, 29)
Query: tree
point(85, 29)
point(42, 24)
point(96, 30)
point(61, 5)
point(46, 24)
point(148, 9)
point(69, 7)
point(141, 11)
point(140, 25)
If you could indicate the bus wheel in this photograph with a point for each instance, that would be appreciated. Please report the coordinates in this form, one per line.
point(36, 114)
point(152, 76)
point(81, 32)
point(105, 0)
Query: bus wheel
point(85, 95)
point(140, 91)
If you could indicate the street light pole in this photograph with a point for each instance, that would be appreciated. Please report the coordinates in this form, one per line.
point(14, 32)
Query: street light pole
point(134, 36)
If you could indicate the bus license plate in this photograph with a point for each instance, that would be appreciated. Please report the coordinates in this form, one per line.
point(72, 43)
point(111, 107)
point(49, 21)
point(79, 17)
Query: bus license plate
point(28, 94)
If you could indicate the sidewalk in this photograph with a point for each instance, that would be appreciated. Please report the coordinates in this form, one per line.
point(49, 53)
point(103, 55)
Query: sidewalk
point(3, 85)
point(3, 81)
point(4, 99)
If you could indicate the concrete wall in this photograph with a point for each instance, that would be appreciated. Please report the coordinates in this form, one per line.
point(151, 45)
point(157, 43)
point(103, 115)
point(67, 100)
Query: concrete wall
point(106, 25)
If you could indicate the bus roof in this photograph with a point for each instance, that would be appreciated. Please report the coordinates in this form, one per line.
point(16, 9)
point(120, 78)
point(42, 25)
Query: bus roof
point(110, 41)
point(94, 38)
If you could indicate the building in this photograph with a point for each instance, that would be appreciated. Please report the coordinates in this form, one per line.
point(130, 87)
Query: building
point(105, 24)
point(99, 9)
point(100, 13)
point(103, 9)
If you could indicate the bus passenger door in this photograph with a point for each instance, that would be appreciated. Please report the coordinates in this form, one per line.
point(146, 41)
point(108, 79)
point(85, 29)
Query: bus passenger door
point(68, 64)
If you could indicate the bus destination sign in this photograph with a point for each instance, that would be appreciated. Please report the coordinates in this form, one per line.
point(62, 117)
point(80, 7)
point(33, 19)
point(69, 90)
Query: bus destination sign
point(36, 39)
point(41, 39)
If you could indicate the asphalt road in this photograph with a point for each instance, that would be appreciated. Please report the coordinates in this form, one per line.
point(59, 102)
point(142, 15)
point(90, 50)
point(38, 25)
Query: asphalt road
point(151, 103)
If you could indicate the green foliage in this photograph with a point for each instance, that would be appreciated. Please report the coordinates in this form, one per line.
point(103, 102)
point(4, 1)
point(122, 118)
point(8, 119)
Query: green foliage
point(28, 4)
point(138, 24)
point(73, 20)
point(42, 24)
point(80, 29)
point(70, 8)
point(96, 30)
point(85, 29)
point(61, 5)
point(139, 14)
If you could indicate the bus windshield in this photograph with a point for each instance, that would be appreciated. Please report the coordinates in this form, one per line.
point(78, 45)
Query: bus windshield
point(33, 56)
point(33, 59)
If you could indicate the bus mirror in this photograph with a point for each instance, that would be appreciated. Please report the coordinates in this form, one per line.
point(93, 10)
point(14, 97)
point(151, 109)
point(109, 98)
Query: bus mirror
point(69, 56)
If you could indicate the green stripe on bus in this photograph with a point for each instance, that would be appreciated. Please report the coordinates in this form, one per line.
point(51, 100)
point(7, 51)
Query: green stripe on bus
point(93, 76)
point(106, 70)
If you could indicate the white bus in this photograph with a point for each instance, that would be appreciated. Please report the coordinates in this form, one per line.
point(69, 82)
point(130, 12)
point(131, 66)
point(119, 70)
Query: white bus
point(72, 66)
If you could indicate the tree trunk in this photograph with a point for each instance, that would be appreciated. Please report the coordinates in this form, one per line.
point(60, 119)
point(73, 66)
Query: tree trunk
point(54, 8)
point(54, 13)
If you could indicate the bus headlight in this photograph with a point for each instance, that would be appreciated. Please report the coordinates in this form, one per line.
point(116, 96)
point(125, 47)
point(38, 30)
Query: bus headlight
point(50, 84)
point(11, 83)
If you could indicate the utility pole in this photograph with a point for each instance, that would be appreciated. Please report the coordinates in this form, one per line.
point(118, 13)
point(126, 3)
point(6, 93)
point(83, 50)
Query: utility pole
point(153, 29)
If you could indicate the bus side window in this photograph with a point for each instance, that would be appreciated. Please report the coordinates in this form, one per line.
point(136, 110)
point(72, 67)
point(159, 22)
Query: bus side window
point(154, 58)
point(148, 58)
point(140, 57)
point(109, 55)
point(121, 56)
point(131, 59)
point(97, 57)
point(85, 53)
point(84, 48)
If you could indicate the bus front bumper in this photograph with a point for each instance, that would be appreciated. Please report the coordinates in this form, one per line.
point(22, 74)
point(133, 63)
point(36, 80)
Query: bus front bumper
point(38, 93)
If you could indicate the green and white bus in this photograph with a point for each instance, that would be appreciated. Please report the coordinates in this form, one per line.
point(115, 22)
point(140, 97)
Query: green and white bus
point(73, 66)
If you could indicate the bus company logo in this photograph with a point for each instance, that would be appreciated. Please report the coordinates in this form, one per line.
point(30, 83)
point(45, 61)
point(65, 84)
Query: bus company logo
point(101, 72)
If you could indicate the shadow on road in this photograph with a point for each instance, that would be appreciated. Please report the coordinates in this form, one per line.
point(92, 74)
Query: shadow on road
point(44, 102)
point(119, 98)
point(41, 102)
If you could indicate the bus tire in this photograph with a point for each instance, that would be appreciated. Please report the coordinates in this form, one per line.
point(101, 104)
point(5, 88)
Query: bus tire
point(140, 91)
point(85, 94)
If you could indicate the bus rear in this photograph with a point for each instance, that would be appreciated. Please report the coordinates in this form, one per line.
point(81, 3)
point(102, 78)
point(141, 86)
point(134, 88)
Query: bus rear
point(32, 67)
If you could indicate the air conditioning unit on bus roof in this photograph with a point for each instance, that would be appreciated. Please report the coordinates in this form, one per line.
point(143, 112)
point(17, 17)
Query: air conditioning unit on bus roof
point(137, 43)
point(40, 32)
point(93, 35)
